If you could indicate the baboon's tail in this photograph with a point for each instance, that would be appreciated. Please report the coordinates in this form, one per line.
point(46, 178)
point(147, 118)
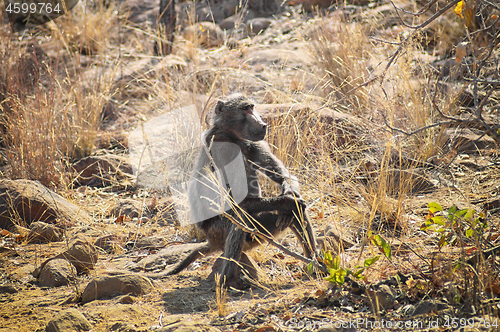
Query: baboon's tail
point(194, 255)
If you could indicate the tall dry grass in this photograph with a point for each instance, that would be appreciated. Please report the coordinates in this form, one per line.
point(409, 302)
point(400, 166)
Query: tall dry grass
point(49, 111)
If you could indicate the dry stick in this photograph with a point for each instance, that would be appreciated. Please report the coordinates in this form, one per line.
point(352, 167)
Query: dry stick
point(273, 243)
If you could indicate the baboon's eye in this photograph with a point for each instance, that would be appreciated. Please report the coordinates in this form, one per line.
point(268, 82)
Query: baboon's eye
point(247, 107)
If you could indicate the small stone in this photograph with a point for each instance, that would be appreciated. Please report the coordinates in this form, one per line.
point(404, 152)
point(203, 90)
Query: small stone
point(82, 254)
point(127, 207)
point(109, 286)
point(206, 34)
point(41, 232)
point(257, 25)
point(57, 272)
point(8, 289)
point(68, 320)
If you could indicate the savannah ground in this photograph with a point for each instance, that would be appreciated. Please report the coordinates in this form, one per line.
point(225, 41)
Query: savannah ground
point(77, 86)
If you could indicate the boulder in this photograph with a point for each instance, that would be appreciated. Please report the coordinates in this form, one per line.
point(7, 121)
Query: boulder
point(41, 232)
point(206, 34)
point(109, 286)
point(257, 25)
point(57, 272)
point(101, 171)
point(81, 253)
point(68, 320)
point(127, 207)
point(26, 201)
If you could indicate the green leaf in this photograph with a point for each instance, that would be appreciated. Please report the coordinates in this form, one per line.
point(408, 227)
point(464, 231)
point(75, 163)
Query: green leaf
point(434, 207)
point(469, 232)
point(328, 258)
point(469, 215)
point(383, 246)
point(336, 263)
point(461, 212)
point(439, 220)
point(442, 242)
point(310, 268)
point(370, 261)
point(452, 210)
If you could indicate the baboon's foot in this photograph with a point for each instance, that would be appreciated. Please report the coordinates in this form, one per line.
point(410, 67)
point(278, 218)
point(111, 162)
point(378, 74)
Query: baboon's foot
point(238, 282)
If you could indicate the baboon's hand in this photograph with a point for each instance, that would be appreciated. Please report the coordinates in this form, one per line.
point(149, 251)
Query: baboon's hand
point(293, 202)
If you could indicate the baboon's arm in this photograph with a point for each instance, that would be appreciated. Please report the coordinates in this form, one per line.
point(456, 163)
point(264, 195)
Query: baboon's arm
point(262, 159)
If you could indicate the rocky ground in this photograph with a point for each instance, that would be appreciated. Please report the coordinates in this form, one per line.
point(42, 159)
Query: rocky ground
point(76, 253)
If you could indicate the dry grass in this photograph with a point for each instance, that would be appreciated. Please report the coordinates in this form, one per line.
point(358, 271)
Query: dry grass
point(51, 112)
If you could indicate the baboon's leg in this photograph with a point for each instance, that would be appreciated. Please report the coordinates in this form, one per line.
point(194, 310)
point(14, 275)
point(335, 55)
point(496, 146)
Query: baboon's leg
point(232, 252)
point(194, 255)
point(303, 231)
point(272, 223)
point(284, 203)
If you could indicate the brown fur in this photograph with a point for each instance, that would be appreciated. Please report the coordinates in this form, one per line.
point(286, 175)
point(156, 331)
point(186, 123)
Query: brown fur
point(236, 122)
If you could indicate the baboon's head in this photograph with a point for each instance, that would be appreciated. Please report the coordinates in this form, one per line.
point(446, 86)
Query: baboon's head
point(236, 115)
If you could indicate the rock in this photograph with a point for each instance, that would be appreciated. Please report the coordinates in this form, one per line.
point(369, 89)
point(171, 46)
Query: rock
point(8, 289)
point(31, 201)
point(126, 299)
point(206, 34)
point(41, 232)
point(127, 207)
point(186, 326)
point(336, 238)
point(153, 242)
point(427, 306)
point(257, 25)
point(101, 171)
point(57, 272)
point(168, 256)
point(108, 242)
point(381, 299)
point(68, 320)
point(81, 253)
point(233, 21)
point(108, 286)
point(139, 11)
point(466, 140)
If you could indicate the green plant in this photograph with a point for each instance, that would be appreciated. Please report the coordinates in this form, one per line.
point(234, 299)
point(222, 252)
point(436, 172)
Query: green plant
point(454, 224)
point(339, 273)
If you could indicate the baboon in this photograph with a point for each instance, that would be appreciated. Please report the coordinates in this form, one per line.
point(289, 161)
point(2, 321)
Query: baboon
point(235, 148)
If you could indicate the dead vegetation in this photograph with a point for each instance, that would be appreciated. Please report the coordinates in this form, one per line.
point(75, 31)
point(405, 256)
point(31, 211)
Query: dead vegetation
point(379, 108)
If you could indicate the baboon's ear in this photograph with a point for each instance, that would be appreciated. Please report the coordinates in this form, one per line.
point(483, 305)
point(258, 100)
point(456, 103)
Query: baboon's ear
point(219, 106)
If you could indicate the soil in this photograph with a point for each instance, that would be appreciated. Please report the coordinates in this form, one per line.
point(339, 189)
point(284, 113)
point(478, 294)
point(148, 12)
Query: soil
point(273, 67)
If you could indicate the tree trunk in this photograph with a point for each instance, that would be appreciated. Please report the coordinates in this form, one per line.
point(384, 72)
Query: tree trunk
point(166, 27)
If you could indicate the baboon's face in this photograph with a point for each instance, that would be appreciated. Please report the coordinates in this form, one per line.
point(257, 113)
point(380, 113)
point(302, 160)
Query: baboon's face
point(238, 116)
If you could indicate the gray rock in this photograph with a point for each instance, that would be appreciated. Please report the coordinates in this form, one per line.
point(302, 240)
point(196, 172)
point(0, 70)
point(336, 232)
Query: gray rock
point(257, 25)
point(8, 289)
point(68, 320)
point(101, 171)
point(57, 272)
point(41, 232)
point(127, 207)
point(31, 201)
point(109, 286)
point(81, 253)
point(108, 242)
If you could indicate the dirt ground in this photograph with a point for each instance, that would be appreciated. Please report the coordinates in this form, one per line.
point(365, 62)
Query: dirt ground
point(422, 287)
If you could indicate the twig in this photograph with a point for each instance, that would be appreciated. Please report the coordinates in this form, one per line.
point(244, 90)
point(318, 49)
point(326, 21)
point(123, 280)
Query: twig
point(271, 241)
